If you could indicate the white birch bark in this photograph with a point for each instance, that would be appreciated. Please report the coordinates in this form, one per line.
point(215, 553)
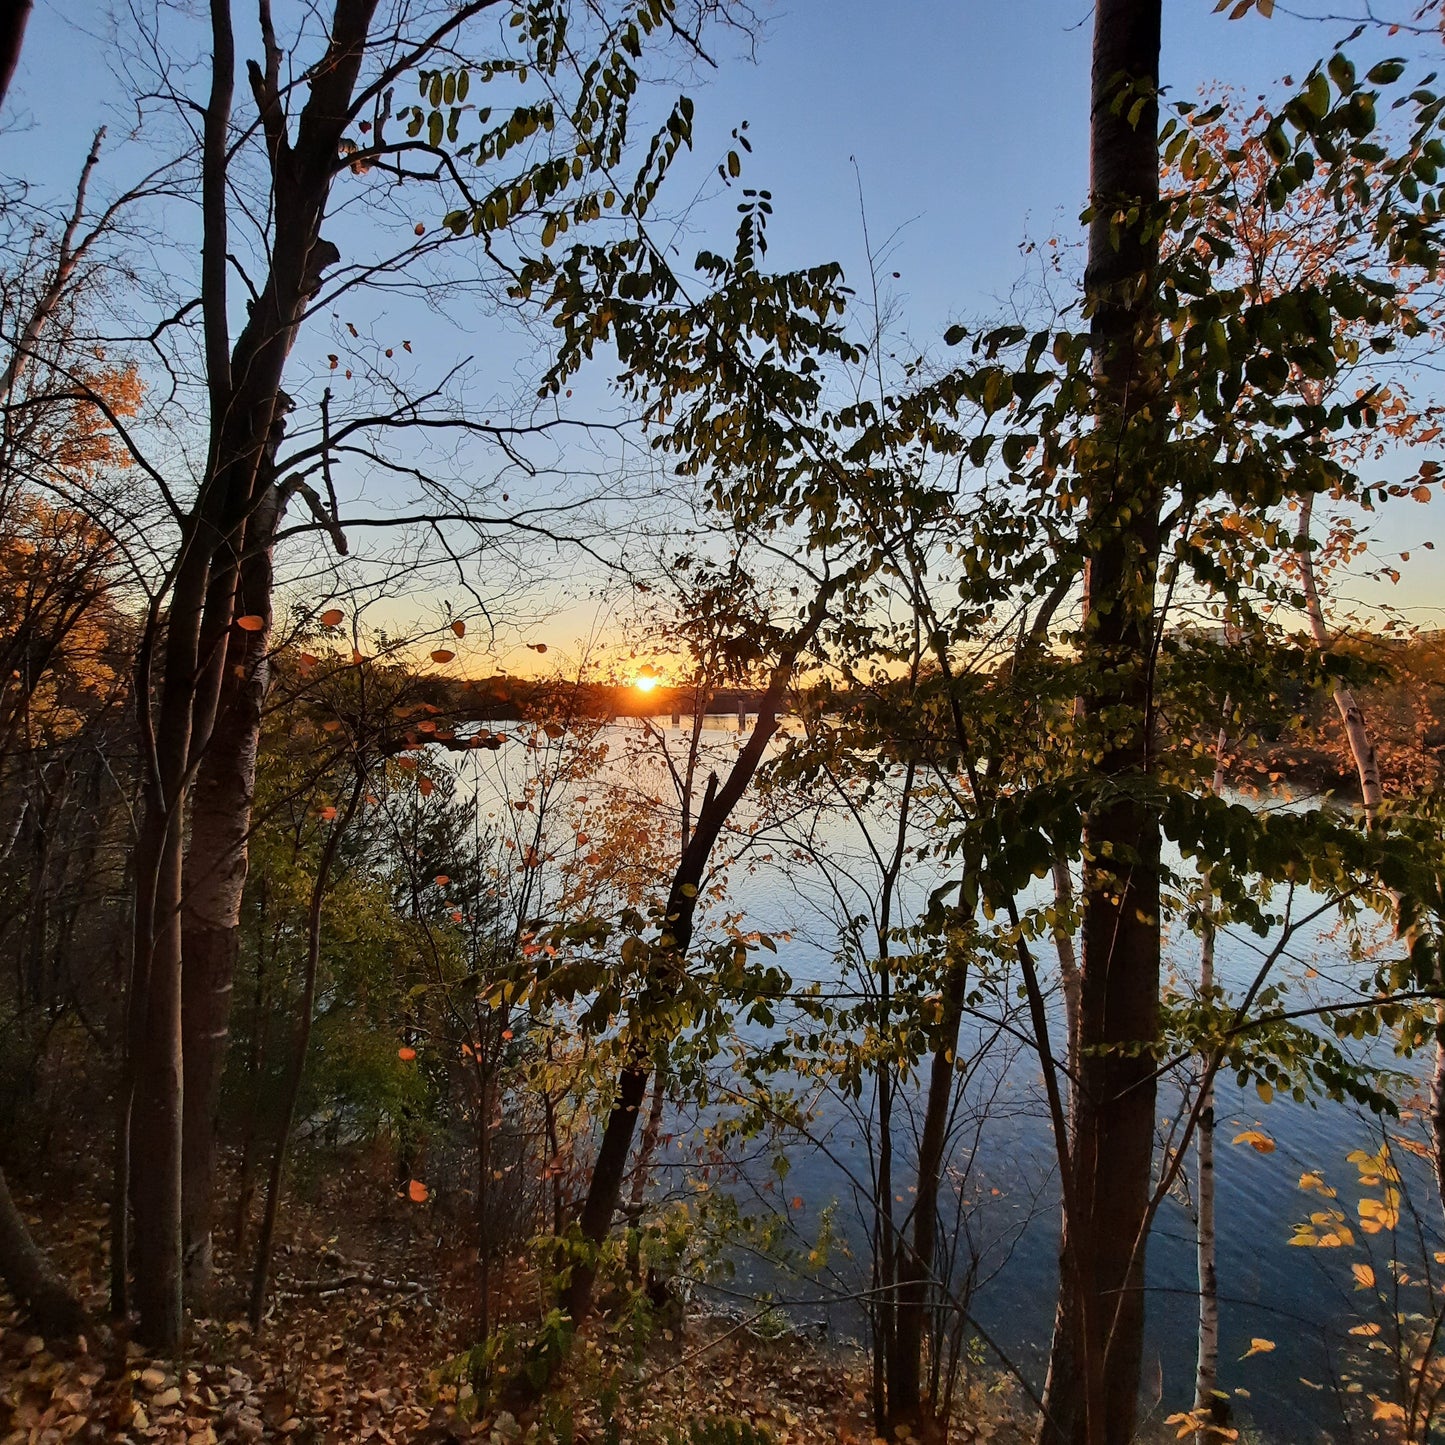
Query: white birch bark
point(1206, 1372)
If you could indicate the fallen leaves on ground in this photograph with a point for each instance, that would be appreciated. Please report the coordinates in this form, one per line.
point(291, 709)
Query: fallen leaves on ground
point(352, 1352)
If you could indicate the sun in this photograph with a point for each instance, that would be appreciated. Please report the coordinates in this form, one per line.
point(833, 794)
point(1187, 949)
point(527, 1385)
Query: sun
point(644, 684)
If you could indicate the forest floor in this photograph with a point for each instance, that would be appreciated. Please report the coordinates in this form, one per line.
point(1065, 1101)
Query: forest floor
point(370, 1315)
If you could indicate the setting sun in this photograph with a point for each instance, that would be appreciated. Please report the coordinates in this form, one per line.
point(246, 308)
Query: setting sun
point(644, 684)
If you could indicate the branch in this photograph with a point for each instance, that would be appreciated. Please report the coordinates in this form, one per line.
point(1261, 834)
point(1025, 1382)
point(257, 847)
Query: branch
point(215, 222)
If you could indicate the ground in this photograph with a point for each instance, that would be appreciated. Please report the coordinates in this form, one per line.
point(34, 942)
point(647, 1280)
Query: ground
point(342, 1360)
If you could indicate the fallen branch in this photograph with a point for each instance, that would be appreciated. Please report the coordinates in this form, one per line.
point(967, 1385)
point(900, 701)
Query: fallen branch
point(351, 1281)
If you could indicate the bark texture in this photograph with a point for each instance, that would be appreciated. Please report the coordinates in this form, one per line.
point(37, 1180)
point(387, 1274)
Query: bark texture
point(214, 880)
point(1092, 1389)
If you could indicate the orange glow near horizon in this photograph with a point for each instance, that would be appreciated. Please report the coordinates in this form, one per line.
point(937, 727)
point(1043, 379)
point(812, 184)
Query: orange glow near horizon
point(644, 684)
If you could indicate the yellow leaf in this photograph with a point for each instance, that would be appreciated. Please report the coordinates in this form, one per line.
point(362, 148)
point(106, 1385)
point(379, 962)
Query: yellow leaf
point(1377, 1215)
point(1387, 1409)
point(1265, 1092)
point(1257, 1346)
point(1260, 1143)
point(1364, 1275)
point(1369, 1329)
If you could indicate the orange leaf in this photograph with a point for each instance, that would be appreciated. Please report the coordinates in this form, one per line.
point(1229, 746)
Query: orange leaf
point(425, 787)
point(460, 628)
point(537, 646)
point(406, 1053)
point(456, 915)
point(251, 622)
point(442, 880)
point(309, 659)
point(332, 617)
point(507, 1033)
point(442, 654)
point(418, 1192)
point(328, 812)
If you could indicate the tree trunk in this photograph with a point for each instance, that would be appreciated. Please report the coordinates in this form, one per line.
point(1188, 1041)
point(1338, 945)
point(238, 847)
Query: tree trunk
point(605, 1186)
point(245, 393)
point(1092, 1390)
point(1357, 731)
point(915, 1273)
point(39, 1291)
point(1207, 1400)
point(13, 21)
point(885, 1252)
point(297, 1064)
point(153, 1132)
point(642, 1167)
point(215, 878)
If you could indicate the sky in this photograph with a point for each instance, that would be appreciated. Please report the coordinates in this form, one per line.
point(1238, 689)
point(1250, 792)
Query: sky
point(957, 127)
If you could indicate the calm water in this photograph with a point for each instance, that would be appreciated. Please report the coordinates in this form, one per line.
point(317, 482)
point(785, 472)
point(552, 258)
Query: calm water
point(1303, 1300)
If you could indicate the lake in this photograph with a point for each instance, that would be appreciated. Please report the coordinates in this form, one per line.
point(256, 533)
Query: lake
point(1003, 1183)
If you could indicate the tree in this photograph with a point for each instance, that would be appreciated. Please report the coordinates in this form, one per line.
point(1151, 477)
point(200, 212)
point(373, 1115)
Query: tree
point(1093, 1381)
point(201, 667)
point(12, 36)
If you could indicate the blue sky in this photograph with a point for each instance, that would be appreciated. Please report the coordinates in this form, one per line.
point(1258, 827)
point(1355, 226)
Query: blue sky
point(966, 120)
